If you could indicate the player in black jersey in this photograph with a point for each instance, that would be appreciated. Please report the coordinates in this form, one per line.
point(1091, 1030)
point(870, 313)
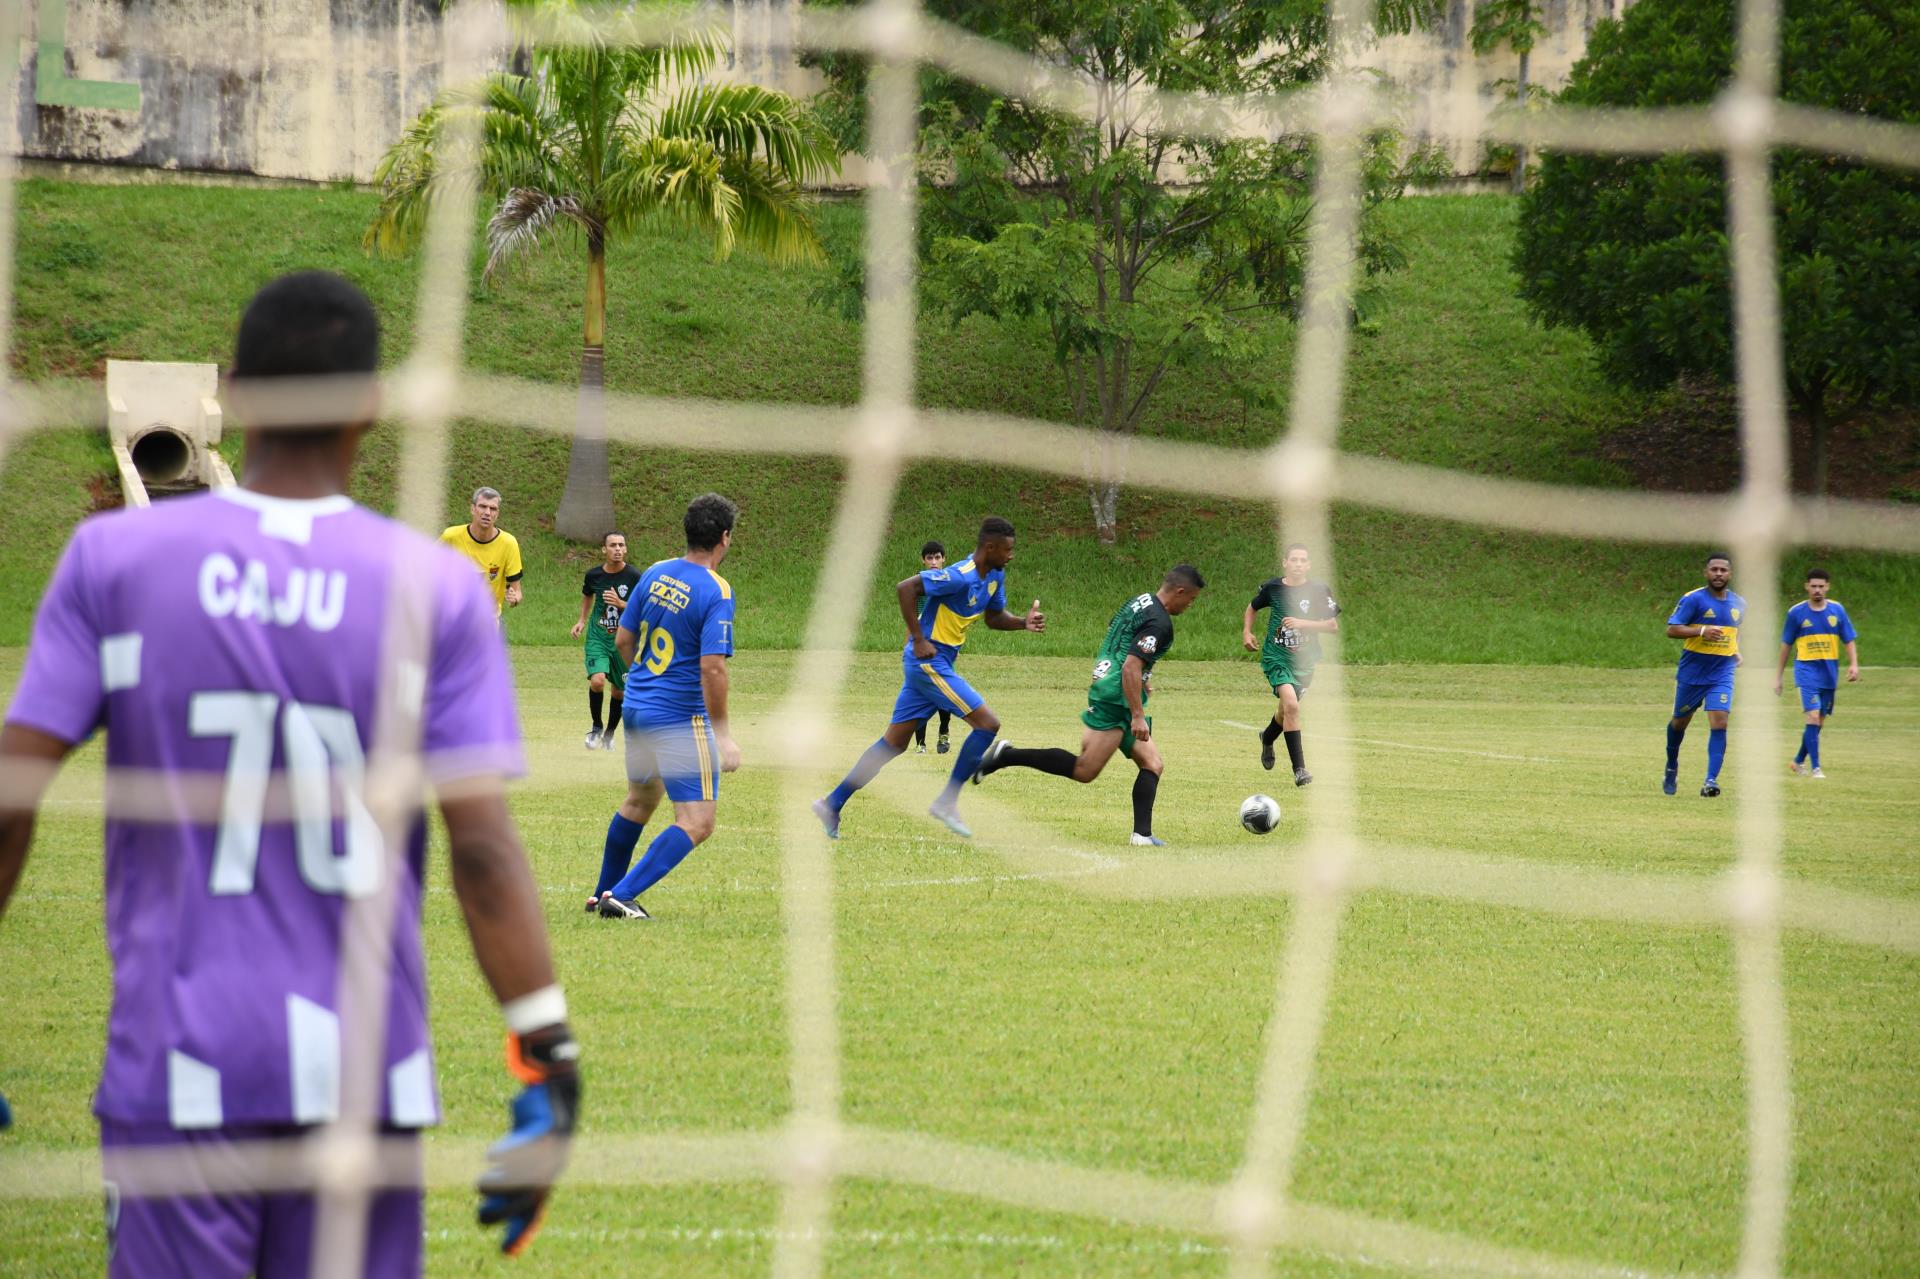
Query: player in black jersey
point(603, 595)
point(1301, 611)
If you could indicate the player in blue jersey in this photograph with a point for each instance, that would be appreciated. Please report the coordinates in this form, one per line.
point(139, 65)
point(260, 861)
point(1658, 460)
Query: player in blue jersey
point(938, 606)
point(1814, 631)
point(1707, 622)
point(675, 637)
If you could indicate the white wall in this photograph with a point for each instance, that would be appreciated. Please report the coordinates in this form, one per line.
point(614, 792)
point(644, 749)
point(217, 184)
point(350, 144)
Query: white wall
point(319, 89)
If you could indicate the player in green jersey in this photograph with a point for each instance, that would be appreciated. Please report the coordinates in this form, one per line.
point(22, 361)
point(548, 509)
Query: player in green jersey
point(1299, 609)
point(603, 596)
point(1116, 715)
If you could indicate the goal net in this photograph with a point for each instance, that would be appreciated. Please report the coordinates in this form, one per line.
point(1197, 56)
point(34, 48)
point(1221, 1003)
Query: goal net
point(1256, 1214)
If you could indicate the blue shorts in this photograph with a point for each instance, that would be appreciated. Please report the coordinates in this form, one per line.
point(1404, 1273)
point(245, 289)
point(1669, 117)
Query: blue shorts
point(1688, 698)
point(680, 752)
point(1816, 699)
point(928, 685)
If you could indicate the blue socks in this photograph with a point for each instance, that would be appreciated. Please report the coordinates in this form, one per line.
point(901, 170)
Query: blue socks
point(965, 762)
point(1674, 738)
point(865, 769)
point(622, 835)
point(1716, 751)
point(1809, 745)
point(668, 849)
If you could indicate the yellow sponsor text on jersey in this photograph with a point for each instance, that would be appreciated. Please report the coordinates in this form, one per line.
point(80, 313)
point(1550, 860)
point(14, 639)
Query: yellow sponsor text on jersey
point(1726, 646)
point(1816, 648)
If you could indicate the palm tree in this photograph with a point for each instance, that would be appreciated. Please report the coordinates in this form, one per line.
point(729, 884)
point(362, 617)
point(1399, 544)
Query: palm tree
point(599, 139)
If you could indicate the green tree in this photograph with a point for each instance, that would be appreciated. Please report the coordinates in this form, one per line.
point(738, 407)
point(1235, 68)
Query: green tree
point(1635, 251)
point(1143, 249)
point(1516, 24)
point(594, 141)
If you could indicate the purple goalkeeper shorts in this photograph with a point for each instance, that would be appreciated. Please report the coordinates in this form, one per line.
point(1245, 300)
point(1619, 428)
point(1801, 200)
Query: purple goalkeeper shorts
point(231, 1236)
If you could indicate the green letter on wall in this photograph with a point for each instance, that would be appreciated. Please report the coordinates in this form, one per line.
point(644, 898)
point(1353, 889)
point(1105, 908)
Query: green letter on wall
point(53, 87)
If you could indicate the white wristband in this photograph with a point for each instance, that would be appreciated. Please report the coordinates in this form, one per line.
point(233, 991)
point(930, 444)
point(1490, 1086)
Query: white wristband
point(544, 1007)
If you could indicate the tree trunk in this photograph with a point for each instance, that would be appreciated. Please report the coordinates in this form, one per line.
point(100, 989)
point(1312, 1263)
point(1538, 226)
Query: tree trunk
point(1520, 148)
point(586, 507)
point(1106, 472)
point(1817, 440)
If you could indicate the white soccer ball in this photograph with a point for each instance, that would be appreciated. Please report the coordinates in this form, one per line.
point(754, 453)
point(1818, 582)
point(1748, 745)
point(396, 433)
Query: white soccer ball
point(1260, 813)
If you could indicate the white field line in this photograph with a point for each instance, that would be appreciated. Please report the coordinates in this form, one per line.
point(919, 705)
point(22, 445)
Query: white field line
point(1186, 1207)
point(981, 1240)
point(1411, 746)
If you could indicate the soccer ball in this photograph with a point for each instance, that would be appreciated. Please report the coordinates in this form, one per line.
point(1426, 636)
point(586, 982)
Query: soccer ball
point(1260, 813)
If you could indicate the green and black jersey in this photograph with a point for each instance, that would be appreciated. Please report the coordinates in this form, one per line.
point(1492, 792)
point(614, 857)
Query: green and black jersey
point(1142, 628)
point(603, 619)
point(1289, 656)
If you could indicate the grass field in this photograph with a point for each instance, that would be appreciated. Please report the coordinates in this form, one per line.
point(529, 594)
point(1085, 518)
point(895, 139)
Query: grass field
point(1455, 376)
point(1549, 1080)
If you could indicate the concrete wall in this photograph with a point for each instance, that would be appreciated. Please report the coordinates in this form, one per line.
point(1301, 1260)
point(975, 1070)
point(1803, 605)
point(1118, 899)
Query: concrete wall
point(1441, 63)
point(280, 88)
point(318, 89)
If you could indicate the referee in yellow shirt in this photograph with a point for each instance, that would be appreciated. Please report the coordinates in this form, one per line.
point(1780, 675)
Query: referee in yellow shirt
point(493, 550)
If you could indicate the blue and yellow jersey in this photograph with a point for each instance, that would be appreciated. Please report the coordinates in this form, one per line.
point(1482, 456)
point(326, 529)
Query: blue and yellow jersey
point(1704, 661)
point(1816, 636)
point(957, 596)
point(680, 612)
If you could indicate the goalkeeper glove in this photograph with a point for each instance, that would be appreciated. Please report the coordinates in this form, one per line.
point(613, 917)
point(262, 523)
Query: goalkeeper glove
point(522, 1167)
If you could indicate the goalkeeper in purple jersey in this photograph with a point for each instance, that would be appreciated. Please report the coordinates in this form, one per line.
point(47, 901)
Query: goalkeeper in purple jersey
point(237, 646)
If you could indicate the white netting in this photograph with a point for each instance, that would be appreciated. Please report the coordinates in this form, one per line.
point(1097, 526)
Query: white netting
point(1304, 473)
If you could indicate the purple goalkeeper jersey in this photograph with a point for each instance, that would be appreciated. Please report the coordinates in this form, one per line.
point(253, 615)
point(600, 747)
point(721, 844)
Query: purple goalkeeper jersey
point(234, 647)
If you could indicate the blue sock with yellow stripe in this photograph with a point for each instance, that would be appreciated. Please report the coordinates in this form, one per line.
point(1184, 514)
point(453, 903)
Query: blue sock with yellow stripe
point(966, 761)
point(668, 849)
point(865, 769)
point(617, 855)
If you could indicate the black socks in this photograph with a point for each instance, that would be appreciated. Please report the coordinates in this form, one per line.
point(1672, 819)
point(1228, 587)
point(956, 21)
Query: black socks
point(1295, 755)
point(594, 700)
point(1145, 787)
point(1048, 759)
point(1270, 733)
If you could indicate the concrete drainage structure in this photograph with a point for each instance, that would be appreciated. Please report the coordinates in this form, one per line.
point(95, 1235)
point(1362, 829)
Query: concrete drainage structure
point(164, 423)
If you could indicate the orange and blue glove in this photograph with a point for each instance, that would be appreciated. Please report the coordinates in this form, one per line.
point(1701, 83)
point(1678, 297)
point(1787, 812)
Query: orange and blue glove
point(522, 1166)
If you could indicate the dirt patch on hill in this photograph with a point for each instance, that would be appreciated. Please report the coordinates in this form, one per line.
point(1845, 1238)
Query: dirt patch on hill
point(1690, 443)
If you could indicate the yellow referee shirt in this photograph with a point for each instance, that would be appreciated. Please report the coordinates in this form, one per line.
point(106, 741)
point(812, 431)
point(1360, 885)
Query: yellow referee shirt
point(498, 560)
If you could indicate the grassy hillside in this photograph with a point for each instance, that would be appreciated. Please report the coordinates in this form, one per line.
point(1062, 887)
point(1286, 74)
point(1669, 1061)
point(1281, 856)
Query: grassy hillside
point(1454, 376)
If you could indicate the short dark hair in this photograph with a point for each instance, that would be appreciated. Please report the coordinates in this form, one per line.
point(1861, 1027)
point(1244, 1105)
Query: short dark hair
point(612, 532)
point(1184, 575)
point(1819, 573)
point(1292, 547)
point(994, 526)
point(1720, 555)
point(709, 518)
point(306, 325)
point(931, 548)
